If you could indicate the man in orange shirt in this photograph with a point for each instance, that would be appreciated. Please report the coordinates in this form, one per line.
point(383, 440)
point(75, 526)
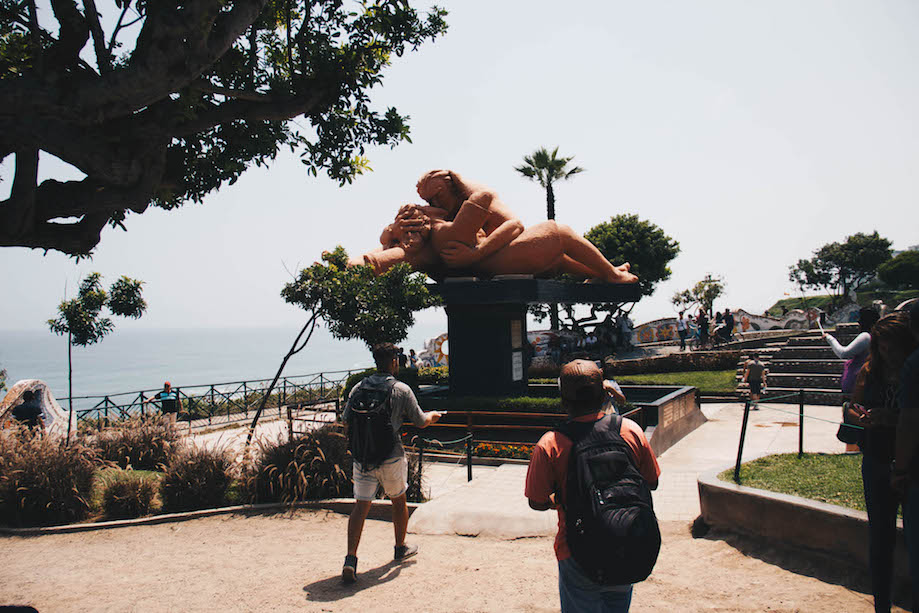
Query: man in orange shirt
point(581, 387)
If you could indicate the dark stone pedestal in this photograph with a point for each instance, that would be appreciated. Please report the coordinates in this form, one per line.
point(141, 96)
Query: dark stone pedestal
point(487, 327)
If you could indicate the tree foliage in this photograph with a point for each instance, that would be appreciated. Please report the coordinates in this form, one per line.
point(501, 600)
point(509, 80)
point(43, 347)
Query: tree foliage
point(197, 93)
point(626, 238)
point(546, 168)
point(704, 293)
point(81, 316)
point(356, 304)
point(901, 271)
point(839, 268)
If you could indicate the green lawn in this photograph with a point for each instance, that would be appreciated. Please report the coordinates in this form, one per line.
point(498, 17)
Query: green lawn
point(835, 479)
point(705, 380)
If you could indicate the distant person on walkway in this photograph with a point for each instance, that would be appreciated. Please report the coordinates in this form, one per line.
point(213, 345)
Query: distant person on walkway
point(29, 413)
point(855, 354)
point(876, 408)
point(682, 328)
point(375, 411)
point(170, 403)
point(403, 359)
point(702, 324)
point(547, 482)
point(728, 324)
point(905, 474)
point(754, 374)
point(413, 362)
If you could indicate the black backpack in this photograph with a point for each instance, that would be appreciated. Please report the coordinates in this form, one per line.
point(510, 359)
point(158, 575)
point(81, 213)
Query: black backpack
point(609, 517)
point(370, 434)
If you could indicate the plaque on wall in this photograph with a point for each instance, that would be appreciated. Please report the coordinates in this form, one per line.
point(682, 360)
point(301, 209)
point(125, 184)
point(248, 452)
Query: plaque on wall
point(517, 366)
point(516, 334)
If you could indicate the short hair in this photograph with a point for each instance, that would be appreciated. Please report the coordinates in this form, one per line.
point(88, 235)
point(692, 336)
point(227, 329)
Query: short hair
point(754, 355)
point(914, 314)
point(28, 395)
point(867, 317)
point(383, 354)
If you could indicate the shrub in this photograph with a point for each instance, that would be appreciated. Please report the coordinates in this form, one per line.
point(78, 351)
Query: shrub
point(43, 483)
point(128, 495)
point(142, 444)
point(408, 376)
point(434, 375)
point(313, 467)
point(674, 362)
point(523, 403)
point(196, 478)
point(490, 450)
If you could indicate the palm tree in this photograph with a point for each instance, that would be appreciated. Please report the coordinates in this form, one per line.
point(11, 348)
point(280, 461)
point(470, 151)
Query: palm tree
point(547, 168)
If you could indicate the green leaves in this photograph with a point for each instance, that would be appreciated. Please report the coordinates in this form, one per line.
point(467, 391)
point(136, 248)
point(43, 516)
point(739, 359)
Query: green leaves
point(80, 317)
point(356, 304)
point(547, 168)
point(841, 267)
point(626, 238)
point(704, 293)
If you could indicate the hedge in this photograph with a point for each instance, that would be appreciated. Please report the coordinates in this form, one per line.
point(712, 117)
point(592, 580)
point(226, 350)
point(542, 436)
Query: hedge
point(674, 362)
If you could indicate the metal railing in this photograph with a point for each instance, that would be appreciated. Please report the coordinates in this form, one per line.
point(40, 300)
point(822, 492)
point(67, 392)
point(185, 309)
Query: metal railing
point(218, 402)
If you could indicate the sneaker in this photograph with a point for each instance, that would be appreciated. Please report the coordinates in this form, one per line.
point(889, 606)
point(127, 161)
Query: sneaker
point(349, 570)
point(403, 552)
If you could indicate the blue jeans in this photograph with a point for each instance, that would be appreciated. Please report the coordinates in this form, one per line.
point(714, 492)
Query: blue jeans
point(578, 594)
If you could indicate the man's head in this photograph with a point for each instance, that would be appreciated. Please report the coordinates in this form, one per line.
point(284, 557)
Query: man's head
point(384, 355)
point(28, 395)
point(580, 384)
point(167, 386)
point(436, 188)
point(754, 356)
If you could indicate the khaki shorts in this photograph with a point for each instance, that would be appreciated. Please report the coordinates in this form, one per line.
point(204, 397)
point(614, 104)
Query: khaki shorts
point(392, 475)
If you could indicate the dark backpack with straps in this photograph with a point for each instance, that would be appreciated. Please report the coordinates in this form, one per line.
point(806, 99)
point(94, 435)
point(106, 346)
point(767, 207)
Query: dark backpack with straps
point(609, 517)
point(370, 434)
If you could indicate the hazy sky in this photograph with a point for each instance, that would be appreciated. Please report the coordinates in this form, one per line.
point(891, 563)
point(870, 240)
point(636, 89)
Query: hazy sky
point(751, 132)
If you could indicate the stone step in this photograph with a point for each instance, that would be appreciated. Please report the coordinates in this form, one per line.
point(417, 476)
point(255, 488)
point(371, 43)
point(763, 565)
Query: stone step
point(805, 353)
point(803, 380)
point(819, 341)
point(818, 366)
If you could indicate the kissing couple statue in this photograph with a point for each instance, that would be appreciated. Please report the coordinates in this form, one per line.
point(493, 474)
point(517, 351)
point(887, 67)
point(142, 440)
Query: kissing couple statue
point(466, 230)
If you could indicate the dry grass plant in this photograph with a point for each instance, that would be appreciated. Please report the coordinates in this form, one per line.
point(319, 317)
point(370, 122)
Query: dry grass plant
point(42, 481)
point(141, 444)
point(128, 496)
point(313, 467)
point(197, 478)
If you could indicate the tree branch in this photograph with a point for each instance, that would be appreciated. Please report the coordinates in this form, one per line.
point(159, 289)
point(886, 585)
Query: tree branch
point(103, 54)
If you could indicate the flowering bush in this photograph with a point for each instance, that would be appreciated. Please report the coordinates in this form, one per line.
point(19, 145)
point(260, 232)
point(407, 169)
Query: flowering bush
point(491, 450)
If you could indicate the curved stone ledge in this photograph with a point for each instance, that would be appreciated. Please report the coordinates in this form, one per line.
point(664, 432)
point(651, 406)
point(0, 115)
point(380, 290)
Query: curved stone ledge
point(380, 509)
point(794, 521)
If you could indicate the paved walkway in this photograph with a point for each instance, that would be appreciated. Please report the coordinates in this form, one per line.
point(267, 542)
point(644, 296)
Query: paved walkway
point(493, 504)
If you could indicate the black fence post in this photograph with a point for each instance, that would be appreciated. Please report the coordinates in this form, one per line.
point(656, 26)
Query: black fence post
point(105, 404)
point(246, 400)
point(210, 413)
point(143, 407)
point(743, 434)
point(800, 423)
point(469, 457)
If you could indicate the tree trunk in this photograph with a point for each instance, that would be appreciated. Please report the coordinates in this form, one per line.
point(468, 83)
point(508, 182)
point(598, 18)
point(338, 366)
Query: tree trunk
point(69, 384)
point(553, 316)
point(550, 202)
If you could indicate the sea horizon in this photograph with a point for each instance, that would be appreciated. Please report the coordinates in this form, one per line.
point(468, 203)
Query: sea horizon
point(132, 360)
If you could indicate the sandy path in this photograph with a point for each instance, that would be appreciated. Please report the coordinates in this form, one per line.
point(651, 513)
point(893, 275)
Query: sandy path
point(290, 562)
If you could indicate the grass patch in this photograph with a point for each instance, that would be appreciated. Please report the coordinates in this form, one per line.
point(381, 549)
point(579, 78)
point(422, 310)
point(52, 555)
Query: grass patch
point(705, 380)
point(835, 479)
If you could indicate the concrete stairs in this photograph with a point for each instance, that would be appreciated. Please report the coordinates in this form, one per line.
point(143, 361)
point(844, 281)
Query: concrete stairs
point(803, 362)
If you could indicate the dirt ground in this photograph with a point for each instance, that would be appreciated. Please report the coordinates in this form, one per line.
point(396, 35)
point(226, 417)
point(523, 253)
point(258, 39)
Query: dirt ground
point(292, 562)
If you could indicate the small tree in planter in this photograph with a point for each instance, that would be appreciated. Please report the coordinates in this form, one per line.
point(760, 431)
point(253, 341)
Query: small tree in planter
point(80, 318)
point(354, 303)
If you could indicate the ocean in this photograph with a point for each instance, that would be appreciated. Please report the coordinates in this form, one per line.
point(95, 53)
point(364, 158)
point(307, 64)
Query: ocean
point(136, 359)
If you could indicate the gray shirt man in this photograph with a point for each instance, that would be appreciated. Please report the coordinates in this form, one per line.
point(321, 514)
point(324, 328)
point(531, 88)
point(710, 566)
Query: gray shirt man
point(403, 404)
